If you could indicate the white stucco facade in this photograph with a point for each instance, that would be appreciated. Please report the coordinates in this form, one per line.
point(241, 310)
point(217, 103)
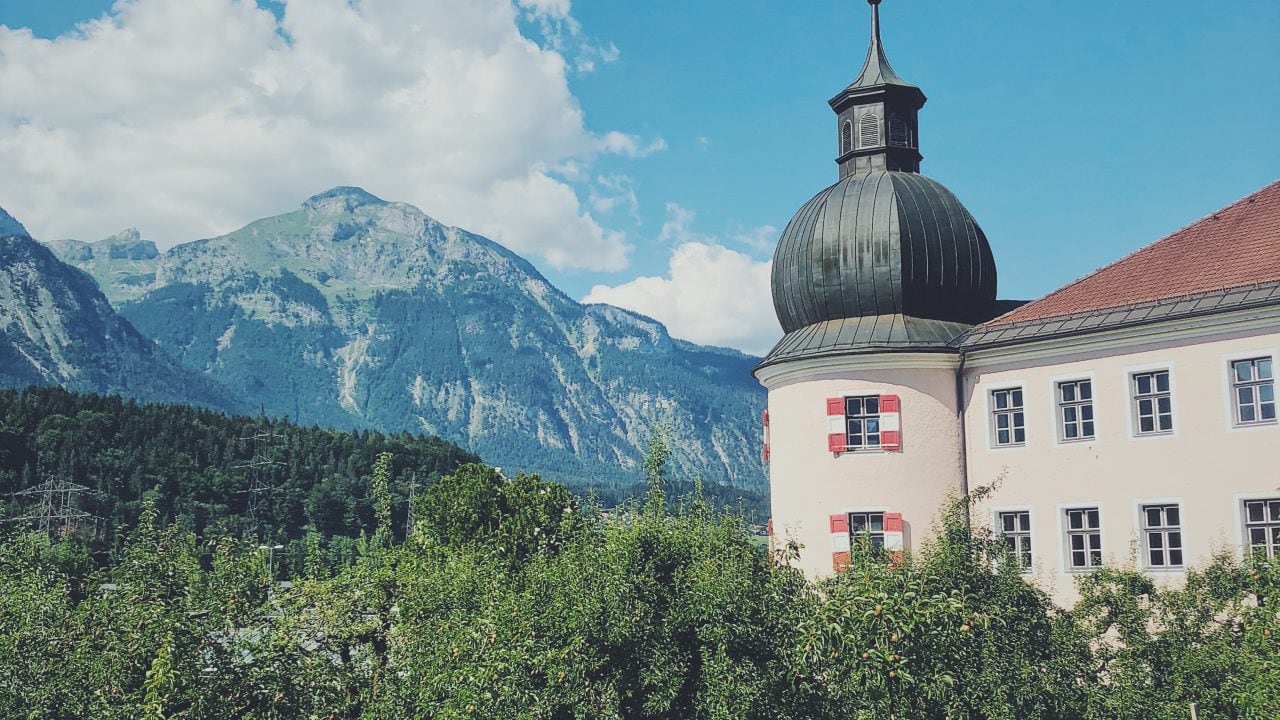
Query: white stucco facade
point(1206, 466)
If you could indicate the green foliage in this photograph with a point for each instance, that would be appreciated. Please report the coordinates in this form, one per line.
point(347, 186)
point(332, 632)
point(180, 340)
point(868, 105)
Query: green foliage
point(509, 600)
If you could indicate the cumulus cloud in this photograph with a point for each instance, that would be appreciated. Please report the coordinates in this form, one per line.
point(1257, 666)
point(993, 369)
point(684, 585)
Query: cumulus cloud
point(712, 295)
point(188, 119)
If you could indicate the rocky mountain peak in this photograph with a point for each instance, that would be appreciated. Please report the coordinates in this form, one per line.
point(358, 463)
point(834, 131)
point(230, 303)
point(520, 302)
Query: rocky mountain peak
point(126, 245)
point(342, 199)
point(9, 225)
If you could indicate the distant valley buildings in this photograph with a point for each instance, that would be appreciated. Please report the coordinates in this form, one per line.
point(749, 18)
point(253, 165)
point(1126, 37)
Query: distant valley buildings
point(1129, 417)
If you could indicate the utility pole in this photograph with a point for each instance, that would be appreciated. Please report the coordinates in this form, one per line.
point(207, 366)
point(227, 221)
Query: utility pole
point(408, 518)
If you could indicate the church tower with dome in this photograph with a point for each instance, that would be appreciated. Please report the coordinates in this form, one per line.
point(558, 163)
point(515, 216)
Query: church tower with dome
point(873, 281)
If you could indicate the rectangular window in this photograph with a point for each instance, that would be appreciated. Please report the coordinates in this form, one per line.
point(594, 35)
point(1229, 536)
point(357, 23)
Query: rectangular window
point(1084, 538)
point(862, 422)
point(1015, 528)
point(1152, 403)
point(1008, 420)
point(1075, 410)
point(1254, 390)
point(1262, 527)
point(867, 527)
point(1162, 535)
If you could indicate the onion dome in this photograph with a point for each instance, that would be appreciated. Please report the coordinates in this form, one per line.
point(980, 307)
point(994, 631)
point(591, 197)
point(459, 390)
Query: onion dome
point(885, 259)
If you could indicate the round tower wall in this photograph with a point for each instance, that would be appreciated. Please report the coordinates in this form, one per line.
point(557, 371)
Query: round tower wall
point(809, 483)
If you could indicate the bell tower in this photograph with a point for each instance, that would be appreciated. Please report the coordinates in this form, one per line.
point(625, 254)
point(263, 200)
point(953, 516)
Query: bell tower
point(876, 115)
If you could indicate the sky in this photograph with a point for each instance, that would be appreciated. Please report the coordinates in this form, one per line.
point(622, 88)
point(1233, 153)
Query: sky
point(646, 154)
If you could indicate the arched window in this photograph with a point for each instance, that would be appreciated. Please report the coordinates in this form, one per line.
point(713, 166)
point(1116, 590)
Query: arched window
point(868, 131)
point(846, 137)
point(899, 133)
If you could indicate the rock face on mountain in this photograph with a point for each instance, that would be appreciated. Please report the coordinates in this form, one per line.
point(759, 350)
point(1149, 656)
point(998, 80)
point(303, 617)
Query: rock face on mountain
point(356, 312)
point(57, 328)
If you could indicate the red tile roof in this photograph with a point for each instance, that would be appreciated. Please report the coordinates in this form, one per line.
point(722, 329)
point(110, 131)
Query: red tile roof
point(1236, 246)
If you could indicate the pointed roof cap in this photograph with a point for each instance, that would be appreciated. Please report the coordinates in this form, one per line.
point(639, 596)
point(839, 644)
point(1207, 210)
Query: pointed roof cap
point(877, 70)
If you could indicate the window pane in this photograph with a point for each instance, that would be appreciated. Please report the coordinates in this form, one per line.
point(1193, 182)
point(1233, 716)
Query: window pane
point(858, 523)
point(853, 406)
point(877, 542)
point(872, 405)
point(1245, 395)
point(1153, 517)
point(1095, 558)
point(1247, 413)
point(1075, 519)
point(1264, 369)
point(1255, 511)
point(1166, 422)
point(1157, 558)
point(1147, 424)
point(1155, 540)
point(877, 522)
point(1077, 558)
point(1002, 400)
point(855, 427)
point(1175, 539)
point(1011, 542)
point(873, 438)
point(1077, 542)
point(1086, 412)
point(1008, 520)
point(1244, 371)
point(1026, 544)
point(1172, 515)
point(1144, 384)
point(1002, 437)
point(1275, 510)
point(1093, 518)
point(873, 425)
point(1019, 420)
point(855, 440)
point(1095, 541)
point(1088, 428)
point(1162, 382)
point(1146, 407)
point(1268, 411)
point(1002, 421)
point(1017, 398)
point(1267, 393)
point(1257, 536)
point(1175, 557)
point(1165, 405)
point(1069, 414)
point(1071, 432)
point(1086, 390)
point(1019, 435)
point(1068, 392)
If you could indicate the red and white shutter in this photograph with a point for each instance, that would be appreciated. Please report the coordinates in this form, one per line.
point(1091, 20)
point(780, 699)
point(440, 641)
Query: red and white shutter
point(893, 544)
point(764, 450)
point(839, 542)
point(837, 433)
point(890, 424)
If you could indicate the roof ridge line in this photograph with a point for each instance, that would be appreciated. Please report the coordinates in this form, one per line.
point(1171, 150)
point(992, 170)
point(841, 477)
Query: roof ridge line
point(1132, 253)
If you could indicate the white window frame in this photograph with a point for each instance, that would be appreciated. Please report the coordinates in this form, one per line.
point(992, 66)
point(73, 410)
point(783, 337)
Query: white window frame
point(1228, 388)
point(864, 392)
point(989, 392)
point(1064, 540)
point(996, 518)
point(1233, 401)
point(1059, 423)
point(1246, 547)
point(1140, 524)
point(1131, 401)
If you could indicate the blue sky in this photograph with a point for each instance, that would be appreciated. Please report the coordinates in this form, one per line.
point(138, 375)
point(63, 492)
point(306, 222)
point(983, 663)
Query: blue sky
point(1074, 132)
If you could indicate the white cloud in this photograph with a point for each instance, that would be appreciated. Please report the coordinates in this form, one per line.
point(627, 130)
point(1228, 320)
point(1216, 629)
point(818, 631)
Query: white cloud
point(712, 295)
point(678, 227)
point(188, 119)
point(759, 239)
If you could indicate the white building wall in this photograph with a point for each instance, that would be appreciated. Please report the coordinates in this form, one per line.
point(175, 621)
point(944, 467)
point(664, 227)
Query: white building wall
point(809, 484)
point(1207, 464)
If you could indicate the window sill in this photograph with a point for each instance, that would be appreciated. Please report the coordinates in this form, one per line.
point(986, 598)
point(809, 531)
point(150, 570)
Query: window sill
point(1010, 446)
point(1078, 441)
point(1259, 425)
point(1171, 570)
point(1153, 435)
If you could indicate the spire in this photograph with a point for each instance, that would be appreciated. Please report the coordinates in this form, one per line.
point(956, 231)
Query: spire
point(877, 70)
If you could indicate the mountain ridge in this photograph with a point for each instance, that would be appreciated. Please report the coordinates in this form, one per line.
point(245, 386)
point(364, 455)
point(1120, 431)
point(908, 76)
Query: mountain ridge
point(358, 312)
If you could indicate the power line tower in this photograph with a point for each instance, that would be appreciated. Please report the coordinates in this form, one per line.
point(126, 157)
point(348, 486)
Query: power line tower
point(57, 510)
point(408, 517)
point(261, 482)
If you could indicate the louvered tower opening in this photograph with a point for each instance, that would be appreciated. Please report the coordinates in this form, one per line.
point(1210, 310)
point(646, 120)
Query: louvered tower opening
point(846, 137)
point(899, 133)
point(868, 131)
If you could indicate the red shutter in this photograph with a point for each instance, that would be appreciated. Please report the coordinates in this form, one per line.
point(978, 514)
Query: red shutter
point(890, 423)
point(768, 527)
point(892, 522)
point(835, 406)
point(764, 449)
point(836, 438)
point(839, 523)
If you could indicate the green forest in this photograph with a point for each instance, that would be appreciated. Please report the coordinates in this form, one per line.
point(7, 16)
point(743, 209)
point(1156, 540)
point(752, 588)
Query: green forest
point(511, 598)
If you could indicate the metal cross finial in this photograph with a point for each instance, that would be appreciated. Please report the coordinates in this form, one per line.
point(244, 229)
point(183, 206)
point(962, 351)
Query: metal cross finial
point(873, 2)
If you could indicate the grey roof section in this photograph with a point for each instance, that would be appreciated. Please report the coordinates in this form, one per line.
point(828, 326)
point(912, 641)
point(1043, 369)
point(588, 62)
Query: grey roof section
point(867, 334)
point(1187, 306)
point(876, 70)
point(885, 243)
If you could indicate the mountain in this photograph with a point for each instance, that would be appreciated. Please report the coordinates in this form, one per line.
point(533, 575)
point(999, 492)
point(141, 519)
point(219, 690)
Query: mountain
point(355, 312)
point(57, 328)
